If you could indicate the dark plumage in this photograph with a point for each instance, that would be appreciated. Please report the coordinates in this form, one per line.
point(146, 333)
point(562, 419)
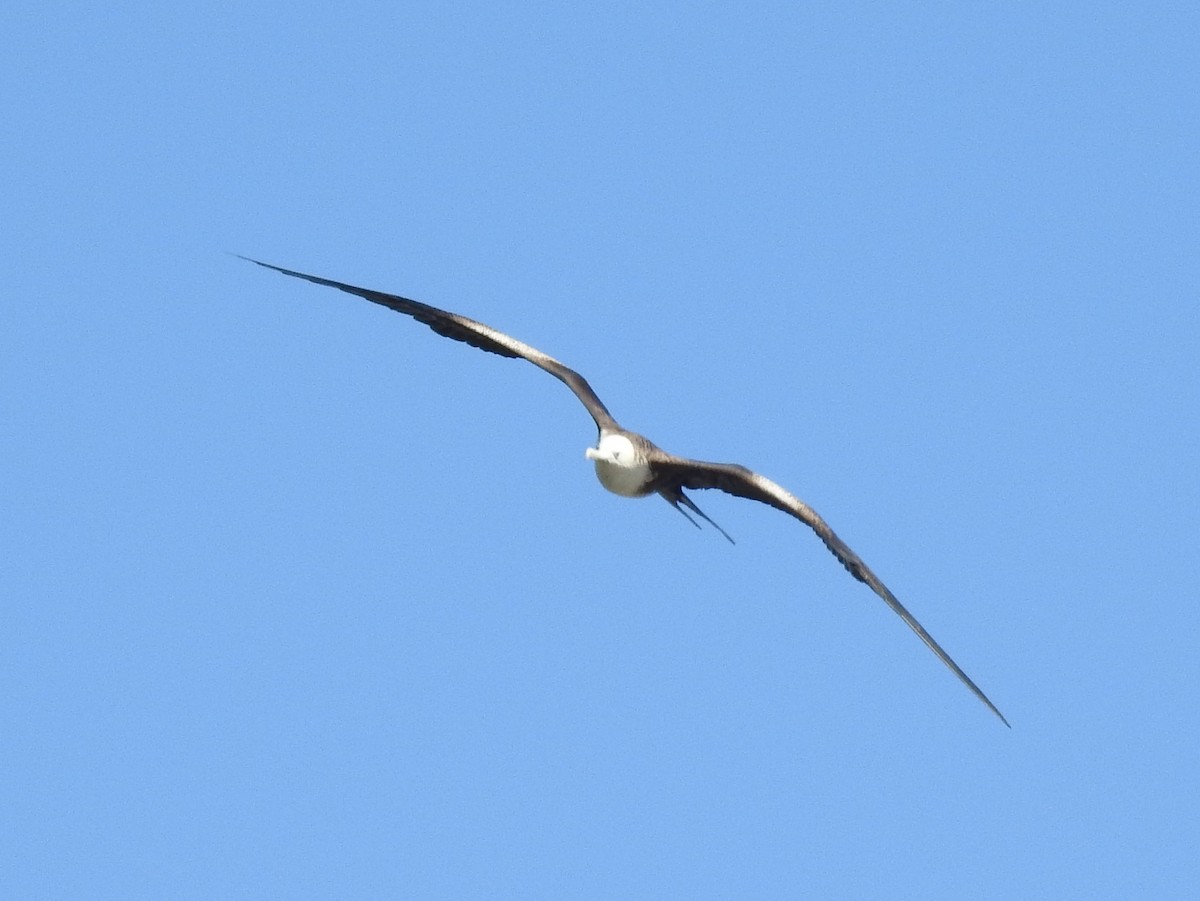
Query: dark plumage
point(633, 466)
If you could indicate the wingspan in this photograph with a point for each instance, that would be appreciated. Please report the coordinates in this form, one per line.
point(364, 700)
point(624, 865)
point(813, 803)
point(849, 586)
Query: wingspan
point(739, 481)
point(476, 334)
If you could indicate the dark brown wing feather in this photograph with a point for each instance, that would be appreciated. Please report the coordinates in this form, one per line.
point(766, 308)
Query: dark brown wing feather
point(739, 481)
point(476, 334)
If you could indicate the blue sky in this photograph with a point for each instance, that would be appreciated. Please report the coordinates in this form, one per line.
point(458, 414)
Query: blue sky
point(303, 601)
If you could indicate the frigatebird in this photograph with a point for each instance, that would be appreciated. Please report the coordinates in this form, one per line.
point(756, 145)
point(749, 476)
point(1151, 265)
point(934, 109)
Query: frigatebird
point(631, 465)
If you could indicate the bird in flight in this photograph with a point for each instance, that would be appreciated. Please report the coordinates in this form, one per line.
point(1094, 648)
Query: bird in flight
point(632, 466)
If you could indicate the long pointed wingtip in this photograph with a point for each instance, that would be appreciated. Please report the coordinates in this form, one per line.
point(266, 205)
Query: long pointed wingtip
point(254, 261)
point(986, 700)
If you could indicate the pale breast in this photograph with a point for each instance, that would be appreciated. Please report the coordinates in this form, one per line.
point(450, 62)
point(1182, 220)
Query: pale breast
point(627, 481)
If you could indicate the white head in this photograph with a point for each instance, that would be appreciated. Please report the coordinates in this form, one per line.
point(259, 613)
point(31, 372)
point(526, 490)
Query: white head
point(614, 449)
point(619, 467)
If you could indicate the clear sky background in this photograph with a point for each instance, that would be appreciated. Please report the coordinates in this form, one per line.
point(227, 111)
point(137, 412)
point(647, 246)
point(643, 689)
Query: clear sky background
point(300, 600)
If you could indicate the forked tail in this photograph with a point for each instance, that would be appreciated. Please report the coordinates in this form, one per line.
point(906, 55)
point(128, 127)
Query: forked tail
point(677, 497)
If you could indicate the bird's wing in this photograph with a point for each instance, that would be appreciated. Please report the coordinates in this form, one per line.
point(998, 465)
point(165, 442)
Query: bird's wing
point(460, 328)
point(739, 481)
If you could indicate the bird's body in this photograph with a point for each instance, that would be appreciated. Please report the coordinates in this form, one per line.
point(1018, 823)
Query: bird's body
point(631, 465)
point(620, 466)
